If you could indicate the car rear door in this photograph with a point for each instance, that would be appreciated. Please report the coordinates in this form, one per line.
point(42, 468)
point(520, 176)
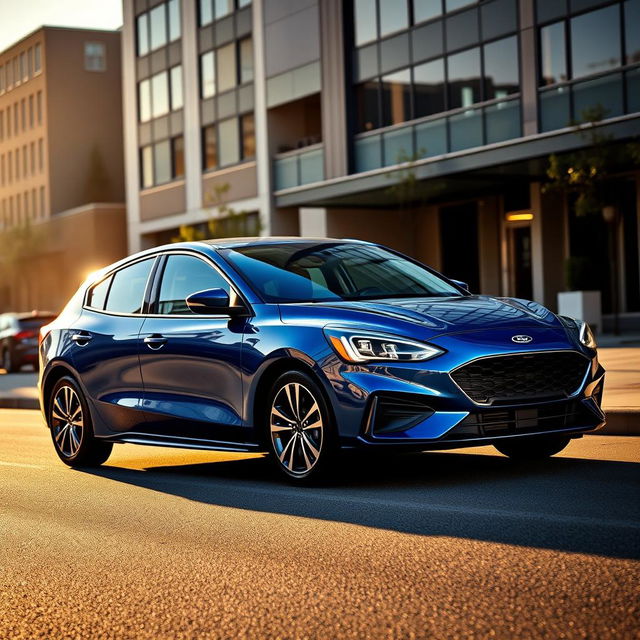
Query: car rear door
point(105, 345)
point(190, 363)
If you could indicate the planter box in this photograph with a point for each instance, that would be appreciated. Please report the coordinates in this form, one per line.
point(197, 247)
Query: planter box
point(583, 305)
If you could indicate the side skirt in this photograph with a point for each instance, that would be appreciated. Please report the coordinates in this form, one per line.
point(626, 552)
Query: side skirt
point(182, 443)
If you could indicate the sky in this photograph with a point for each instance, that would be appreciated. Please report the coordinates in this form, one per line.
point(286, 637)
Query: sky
point(20, 17)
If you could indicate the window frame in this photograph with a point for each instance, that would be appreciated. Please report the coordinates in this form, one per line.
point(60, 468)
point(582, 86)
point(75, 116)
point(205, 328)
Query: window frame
point(154, 281)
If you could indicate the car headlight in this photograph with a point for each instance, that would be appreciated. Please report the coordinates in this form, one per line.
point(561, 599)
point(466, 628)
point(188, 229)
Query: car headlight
point(365, 346)
point(585, 335)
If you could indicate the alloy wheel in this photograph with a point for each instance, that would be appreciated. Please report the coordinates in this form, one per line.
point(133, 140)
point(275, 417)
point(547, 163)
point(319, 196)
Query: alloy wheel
point(67, 421)
point(297, 429)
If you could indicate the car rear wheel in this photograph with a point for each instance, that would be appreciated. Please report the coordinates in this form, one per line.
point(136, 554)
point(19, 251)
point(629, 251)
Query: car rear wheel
point(302, 436)
point(69, 421)
point(532, 448)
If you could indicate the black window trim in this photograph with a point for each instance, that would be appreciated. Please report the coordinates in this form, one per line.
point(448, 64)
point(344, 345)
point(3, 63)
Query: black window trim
point(152, 287)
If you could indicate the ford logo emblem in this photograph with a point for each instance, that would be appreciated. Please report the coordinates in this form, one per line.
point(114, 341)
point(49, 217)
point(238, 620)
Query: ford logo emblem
point(520, 339)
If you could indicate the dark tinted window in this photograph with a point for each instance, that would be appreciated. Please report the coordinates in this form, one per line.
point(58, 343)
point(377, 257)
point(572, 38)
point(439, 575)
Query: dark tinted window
point(367, 101)
point(462, 29)
point(365, 20)
point(552, 54)
point(394, 16)
point(501, 68)
point(632, 30)
point(429, 85)
point(426, 9)
point(427, 41)
point(396, 97)
point(498, 18)
point(183, 276)
point(98, 295)
point(127, 289)
point(464, 78)
point(299, 271)
point(595, 41)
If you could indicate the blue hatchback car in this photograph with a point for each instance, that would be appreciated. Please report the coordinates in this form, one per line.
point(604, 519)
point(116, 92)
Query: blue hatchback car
point(302, 347)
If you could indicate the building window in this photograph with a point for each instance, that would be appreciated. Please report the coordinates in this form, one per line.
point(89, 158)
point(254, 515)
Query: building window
point(501, 75)
point(209, 148)
point(24, 72)
point(246, 60)
point(30, 61)
point(632, 32)
point(40, 155)
point(394, 16)
point(155, 28)
point(177, 152)
point(210, 10)
point(365, 21)
point(37, 58)
point(177, 101)
point(1, 125)
point(396, 97)
point(16, 71)
point(247, 124)
point(144, 101)
point(2, 79)
point(23, 114)
point(43, 209)
point(226, 71)
point(32, 153)
point(464, 78)
point(159, 94)
point(552, 54)
point(208, 74)
point(228, 142)
point(95, 56)
point(595, 41)
point(142, 34)
point(426, 9)
point(9, 74)
point(31, 119)
point(39, 106)
point(429, 88)
point(162, 162)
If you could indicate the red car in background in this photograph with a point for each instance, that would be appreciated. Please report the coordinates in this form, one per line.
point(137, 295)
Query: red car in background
point(19, 338)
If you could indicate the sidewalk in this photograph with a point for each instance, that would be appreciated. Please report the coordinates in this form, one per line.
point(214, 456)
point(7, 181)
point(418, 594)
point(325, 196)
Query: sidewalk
point(621, 392)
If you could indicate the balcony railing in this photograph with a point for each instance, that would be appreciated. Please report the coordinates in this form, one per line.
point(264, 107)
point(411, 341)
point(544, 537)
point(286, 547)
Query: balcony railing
point(463, 129)
point(302, 166)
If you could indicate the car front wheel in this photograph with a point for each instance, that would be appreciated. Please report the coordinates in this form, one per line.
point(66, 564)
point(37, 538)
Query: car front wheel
point(532, 448)
point(69, 421)
point(301, 432)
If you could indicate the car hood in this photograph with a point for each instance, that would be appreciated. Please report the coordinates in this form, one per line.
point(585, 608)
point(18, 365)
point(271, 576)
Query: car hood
point(433, 315)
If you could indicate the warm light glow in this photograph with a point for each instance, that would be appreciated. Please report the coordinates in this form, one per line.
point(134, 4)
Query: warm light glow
point(516, 216)
point(90, 275)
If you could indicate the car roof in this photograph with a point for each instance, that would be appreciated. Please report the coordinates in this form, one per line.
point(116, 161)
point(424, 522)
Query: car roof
point(228, 243)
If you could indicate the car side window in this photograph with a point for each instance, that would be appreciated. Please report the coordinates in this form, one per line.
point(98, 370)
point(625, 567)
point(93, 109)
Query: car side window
point(184, 275)
point(98, 294)
point(127, 288)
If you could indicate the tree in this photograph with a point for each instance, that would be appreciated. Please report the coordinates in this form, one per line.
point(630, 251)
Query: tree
point(17, 245)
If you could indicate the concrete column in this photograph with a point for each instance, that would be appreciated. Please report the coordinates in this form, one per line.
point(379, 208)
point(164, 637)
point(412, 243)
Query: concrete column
point(192, 137)
point(313, 222)
point(489, 245)
point(263, 157)
point(547, 246)
point(334, 111)
point(132, 168)
point(528, 79)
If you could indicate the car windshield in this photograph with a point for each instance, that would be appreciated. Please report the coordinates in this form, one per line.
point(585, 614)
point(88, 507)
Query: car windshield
point(323, 272)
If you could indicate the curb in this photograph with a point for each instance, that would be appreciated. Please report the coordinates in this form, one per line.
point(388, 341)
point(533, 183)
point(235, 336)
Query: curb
point(19, 403)
point(620, 422)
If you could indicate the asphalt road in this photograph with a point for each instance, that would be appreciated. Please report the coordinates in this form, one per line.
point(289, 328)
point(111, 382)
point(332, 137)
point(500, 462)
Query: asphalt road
point(176, 544)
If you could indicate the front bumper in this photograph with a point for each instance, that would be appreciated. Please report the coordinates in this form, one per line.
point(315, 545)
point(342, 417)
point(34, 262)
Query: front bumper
point(408, 405)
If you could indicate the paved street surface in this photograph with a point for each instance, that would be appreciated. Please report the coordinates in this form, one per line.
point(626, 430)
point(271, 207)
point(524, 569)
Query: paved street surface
point(175, 544)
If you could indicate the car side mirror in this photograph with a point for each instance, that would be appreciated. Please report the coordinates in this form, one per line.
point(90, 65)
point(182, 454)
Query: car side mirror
point(212, 302)
point(464, 285)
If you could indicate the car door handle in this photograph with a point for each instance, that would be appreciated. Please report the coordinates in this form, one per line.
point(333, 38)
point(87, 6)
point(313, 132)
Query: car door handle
point(82, 338)
point(155, 341)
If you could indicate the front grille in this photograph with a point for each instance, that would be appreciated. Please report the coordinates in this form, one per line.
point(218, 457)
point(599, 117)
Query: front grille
point(504, 422)
point(391, 413)
point(532, 376)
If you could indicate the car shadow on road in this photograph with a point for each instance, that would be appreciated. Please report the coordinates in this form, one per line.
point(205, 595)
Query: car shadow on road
point(568, 504)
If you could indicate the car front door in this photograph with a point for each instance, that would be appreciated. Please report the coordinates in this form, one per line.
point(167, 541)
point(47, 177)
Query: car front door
point(105, 343)
point(190, 363)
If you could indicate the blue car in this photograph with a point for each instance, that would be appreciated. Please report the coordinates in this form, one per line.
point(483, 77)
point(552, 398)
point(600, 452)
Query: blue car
point(303, 347)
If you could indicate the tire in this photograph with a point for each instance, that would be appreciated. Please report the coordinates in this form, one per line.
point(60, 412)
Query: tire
point(303, 455)
point(536, 448)
point(69, 422)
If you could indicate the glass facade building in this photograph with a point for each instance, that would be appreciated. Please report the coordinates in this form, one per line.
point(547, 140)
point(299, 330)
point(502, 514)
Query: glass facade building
point(409, 122)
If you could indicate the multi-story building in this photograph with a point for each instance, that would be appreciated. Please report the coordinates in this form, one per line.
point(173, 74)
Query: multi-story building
point(424, 124)
point(61, 163)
